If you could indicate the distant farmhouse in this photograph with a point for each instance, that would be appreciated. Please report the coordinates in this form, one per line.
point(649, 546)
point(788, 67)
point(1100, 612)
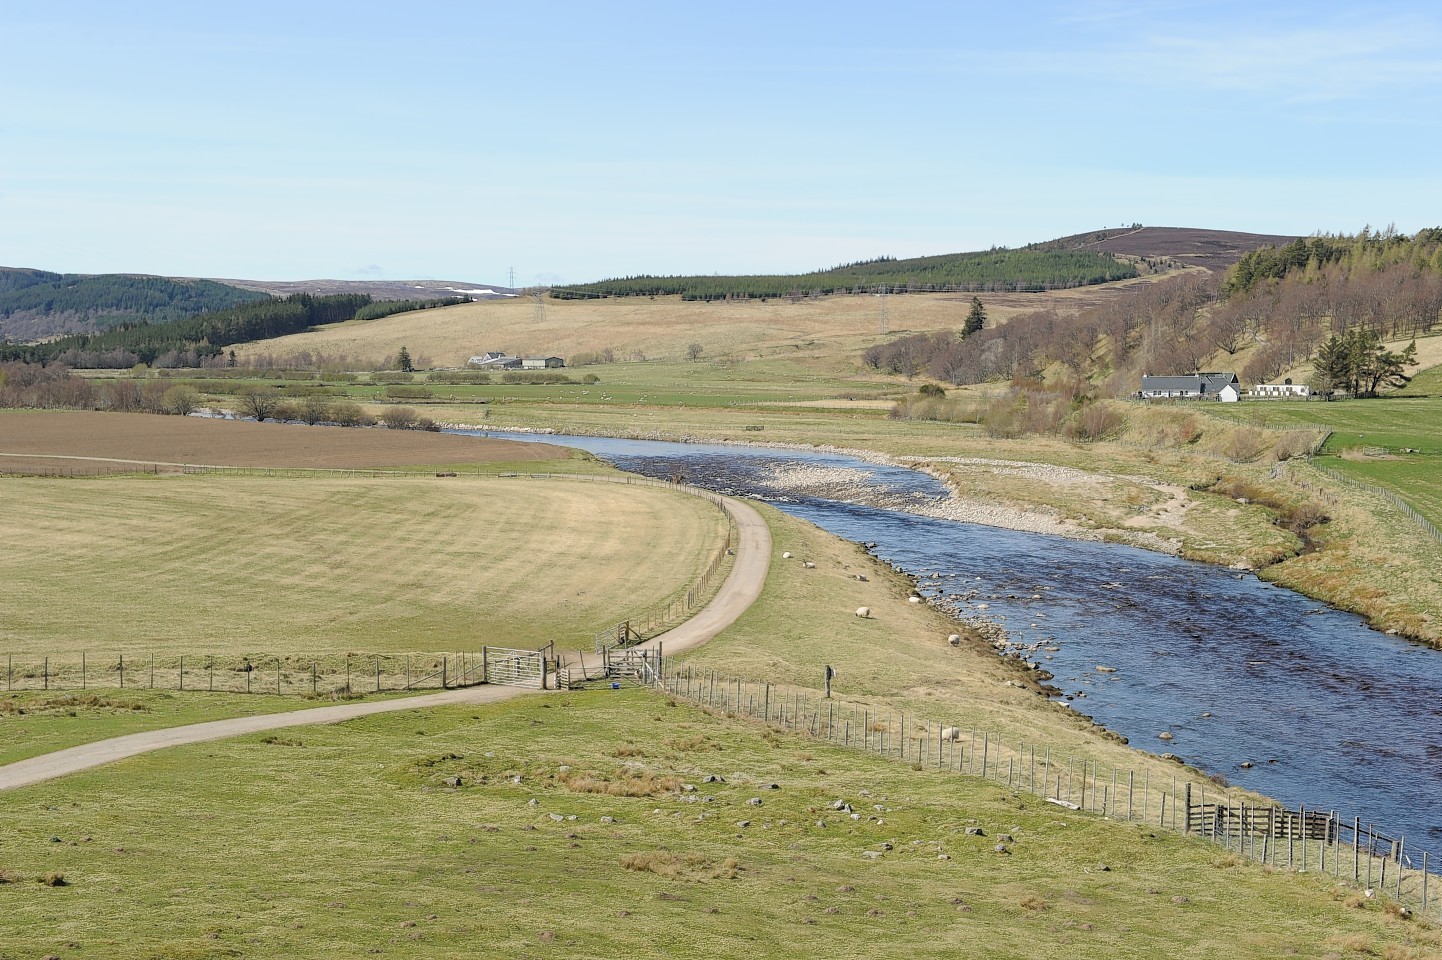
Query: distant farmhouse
point(1284, 389)
point(1194, 386)
point(495, 360)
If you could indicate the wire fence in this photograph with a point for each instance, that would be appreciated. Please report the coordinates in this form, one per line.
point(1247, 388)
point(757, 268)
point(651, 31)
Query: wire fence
point(1407, 509)
point(1246, 825)
point(334, 675)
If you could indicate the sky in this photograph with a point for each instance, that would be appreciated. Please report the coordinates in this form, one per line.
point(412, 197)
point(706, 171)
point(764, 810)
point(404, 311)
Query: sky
point(578, 141)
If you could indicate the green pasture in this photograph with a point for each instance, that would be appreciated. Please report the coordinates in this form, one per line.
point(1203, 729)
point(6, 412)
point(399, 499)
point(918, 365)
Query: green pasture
point(572, 833)
point(33, 722)
point(315, 564)
point(1370, 439)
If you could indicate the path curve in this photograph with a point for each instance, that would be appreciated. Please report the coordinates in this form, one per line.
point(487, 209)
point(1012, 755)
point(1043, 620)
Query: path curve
point(741, 588)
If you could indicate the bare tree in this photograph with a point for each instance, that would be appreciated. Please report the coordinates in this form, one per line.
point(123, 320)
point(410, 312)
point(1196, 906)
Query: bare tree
point(258, 402)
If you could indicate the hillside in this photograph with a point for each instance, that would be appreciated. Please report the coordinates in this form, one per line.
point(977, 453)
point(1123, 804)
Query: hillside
point(377, 289)
point(1029, 269)
point(1216, 250)
point(36, 304)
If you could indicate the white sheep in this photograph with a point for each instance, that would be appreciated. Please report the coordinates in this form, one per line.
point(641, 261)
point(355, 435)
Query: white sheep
point(954, 639)
point(863, 612)
point(786, 555)
point(951, 733)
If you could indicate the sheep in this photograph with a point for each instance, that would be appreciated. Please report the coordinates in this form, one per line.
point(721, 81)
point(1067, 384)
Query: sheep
point(786, 555)
point(863, 612)
point(954, 639)
point(951, 733)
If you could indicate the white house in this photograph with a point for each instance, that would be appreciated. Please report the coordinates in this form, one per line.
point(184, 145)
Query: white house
point(541, 363)
point(1284, 389)
point(1193, 386)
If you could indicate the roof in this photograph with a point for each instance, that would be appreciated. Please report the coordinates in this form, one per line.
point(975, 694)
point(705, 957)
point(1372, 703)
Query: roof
point(1210, 382)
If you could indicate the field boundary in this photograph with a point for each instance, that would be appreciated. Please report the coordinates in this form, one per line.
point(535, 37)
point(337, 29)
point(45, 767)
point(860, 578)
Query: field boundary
point(1426, 525)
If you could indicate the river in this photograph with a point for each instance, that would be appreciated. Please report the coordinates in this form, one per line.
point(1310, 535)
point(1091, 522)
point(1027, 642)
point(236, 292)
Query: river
point(1328, 712)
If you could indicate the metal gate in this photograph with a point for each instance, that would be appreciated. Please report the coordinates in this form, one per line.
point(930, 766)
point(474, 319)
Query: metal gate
point(521, 668)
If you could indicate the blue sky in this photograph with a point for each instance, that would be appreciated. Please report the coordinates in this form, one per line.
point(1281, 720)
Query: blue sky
point(579, 141)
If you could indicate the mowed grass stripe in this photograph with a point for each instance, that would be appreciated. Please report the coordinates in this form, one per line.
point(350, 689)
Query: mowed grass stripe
point(236, 565)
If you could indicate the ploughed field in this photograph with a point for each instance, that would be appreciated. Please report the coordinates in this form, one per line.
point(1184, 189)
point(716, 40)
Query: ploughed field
point(33, 439)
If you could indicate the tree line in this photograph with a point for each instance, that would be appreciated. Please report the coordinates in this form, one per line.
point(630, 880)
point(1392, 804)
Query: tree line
point(1386, 285)
point(201, 337)
point(37, 303)
point(997, 270)
point(387, 308)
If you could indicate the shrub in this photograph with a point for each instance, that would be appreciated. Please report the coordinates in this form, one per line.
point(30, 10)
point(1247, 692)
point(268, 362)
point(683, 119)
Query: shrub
point(400, 418)
point(54, 879)
point(181, 400)
point(535, 377)
point(348, 413)
point(689, 866)
point(590, 378)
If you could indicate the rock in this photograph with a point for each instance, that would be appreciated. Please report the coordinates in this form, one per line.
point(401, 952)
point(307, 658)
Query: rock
point(743, 824)
point(754, 802)
point(1102, 868)
point(975, 832)
point(1001, 849)
point(1005, 838)
point(688, 788)
point(913, 599)
point(1246, 764)
point(713, 778)
point(821, 824)
point(556, 817)
point(773, 786)
point(861, 577)
point(786, 555)
point(871, 854)
point(809, 565)
point(841, 805)
point(533, 802)
point(452, 781)
point(1103, 669)
point(883, 845)
point(608, 819)
point(1164, 735)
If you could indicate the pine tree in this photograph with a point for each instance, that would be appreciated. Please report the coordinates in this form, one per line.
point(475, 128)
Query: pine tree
point(403, 360)
point(976, 319)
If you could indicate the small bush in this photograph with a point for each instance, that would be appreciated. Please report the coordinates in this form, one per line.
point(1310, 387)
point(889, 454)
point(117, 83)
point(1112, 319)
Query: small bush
point(54, 879)
point(460, 376)
point(400, 418)
point(624, 783)
point(348, 413)
point(590, 378)
point(535, 377)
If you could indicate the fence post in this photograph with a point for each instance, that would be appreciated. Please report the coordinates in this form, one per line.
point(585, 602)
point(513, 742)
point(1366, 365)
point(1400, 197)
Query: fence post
point(83, 682)
point(182, 671)
point(1188, 827)
point(122, 671)
point(485, 666)
point(45, 673)
point(152, 671)
point(312, 677)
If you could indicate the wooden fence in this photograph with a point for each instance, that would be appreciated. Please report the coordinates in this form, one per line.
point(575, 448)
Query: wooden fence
point(1249, 826)
point(1407, 509)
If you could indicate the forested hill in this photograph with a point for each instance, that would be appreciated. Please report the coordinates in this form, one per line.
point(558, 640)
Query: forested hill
point(997, 270)
point(191, 341)
point(35, 304)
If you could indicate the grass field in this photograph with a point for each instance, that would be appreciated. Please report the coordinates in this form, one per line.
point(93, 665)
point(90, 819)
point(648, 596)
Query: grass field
point(663, 328)
point(215, 565)
point(346, 840)
point(35, 722)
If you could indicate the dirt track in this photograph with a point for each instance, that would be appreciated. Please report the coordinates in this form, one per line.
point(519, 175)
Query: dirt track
point(742, 587)
point(148, 438)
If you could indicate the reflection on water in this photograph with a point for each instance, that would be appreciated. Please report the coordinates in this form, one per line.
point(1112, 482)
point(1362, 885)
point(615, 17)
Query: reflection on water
point(1329, 712)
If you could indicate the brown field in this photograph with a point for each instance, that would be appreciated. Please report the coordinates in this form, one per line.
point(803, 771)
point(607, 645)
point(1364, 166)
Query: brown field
point(661, 329)
point(33, 437)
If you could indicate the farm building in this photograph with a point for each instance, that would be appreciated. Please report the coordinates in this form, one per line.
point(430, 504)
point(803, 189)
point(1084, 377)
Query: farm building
point(1193, 386)
point(494, 360)
point(541, 363)
point(1284, 389)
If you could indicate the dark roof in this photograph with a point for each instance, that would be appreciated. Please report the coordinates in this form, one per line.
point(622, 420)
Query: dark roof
point(1191, 383)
